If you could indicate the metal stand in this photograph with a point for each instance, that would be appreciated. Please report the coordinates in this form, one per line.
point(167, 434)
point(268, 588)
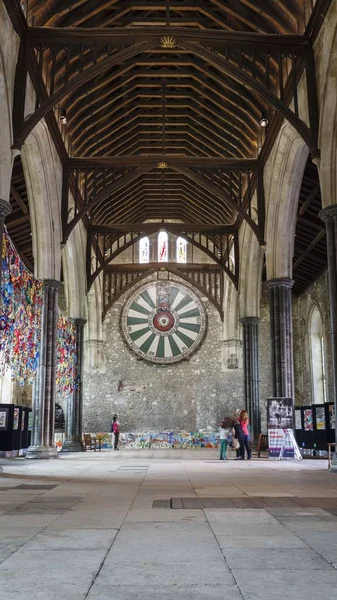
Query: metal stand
point(289, 437)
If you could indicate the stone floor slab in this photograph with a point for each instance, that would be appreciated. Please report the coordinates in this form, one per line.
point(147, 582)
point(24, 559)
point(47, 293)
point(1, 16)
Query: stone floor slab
point(190, 592)
point(286, 585)
point(275, 559)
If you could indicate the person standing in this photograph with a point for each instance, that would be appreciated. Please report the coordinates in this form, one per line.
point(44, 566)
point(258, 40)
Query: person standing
point(237, 437)
point(245, 443)
point(115, 431)
point(224, 432)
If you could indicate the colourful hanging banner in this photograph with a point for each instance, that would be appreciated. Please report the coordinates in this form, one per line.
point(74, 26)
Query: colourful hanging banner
point(20, 316)
point(66, 368)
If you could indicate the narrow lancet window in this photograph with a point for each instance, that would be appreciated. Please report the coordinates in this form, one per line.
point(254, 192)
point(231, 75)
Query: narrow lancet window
point(162, 247)
point(181, 250)
point(144, 250)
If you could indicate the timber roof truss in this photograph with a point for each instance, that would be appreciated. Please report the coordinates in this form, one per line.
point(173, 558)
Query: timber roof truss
point(163, 103)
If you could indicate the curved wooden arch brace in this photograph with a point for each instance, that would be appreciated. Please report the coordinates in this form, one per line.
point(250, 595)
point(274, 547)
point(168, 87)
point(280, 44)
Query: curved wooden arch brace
point(81, 79)
point(176, 272)
point(251, 83)
point(157, 226)
point(125, 289)
point(105, 193)
point(228, 272)
point(221, 194)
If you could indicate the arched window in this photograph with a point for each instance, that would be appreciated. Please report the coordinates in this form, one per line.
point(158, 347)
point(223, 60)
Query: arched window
point(162, 247)
point(181, 250)
point(144, 250)
point(317, 357)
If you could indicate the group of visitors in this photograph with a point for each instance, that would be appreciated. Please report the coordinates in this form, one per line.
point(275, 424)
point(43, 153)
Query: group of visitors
point(235, 432)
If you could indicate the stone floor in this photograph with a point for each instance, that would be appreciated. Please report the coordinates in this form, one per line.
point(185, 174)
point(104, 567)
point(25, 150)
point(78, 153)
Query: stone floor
point(175, 524)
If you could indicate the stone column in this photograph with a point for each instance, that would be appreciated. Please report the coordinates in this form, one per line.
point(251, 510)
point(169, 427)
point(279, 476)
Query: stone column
point(281, 334)
point(5, 209)
point(44, 391)
point(329, 216)
point(73, 439)
point(250, 339)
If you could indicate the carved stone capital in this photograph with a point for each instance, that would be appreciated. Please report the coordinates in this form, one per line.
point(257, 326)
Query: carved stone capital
point(52, 283)
point(5, 208)
point(247, 320)
point(329, 213)
point(280, 282)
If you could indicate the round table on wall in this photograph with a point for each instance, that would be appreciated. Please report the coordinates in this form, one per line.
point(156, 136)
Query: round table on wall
point(163, 322)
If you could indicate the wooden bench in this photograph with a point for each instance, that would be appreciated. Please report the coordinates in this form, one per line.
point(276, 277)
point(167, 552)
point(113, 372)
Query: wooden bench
point(262, 443)
point(331, 446)
point(90, 442)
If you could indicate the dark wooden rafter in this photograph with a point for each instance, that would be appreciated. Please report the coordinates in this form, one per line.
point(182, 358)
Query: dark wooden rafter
point(228, 186)
point(252, 64)
point(18, 221)
point(119, 278)
point(81, 78)
point(103, 62)
point(215, 242)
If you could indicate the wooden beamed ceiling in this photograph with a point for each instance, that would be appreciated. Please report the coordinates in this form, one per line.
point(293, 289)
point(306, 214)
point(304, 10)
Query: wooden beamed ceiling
point(230, 62)
point(245, 15)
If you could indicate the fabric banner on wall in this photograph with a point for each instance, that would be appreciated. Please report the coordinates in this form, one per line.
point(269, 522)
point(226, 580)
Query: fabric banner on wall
point(20, 316)
point(66, 369)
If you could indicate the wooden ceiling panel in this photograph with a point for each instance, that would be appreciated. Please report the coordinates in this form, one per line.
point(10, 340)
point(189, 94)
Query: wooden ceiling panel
point(230, 15)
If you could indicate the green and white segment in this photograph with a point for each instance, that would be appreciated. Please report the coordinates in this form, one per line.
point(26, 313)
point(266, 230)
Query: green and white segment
point(163, 336)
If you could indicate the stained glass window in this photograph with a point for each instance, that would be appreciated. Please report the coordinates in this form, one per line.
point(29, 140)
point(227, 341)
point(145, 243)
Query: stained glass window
point(181, 250)
point(162, 247)
point(144, 250)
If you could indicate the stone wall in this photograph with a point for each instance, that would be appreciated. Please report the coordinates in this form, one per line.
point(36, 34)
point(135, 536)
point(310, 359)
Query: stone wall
point(317, 294)
point(189, 395)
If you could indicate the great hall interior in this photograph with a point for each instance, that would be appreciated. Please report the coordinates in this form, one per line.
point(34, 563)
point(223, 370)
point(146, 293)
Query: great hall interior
point(168, 217)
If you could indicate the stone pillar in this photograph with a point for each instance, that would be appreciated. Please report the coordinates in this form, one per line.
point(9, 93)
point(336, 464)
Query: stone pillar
point(5, 209)
point(250, 339)
point(73, 438)
point(329, 216)
point(44, 391)
point(281, 334)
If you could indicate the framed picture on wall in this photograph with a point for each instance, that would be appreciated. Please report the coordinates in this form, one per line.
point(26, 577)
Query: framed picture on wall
point(298, 419)
point(332, 417)
point(3, 419)
point(16, 418)
point(280, 413)
point(308, 420)
point(320, 417)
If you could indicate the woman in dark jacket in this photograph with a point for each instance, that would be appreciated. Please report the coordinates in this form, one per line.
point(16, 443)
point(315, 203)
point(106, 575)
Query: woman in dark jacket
point(238, 435)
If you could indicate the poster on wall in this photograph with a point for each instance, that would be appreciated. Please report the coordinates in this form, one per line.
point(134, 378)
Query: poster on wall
point(16, 418)
point(3, 419)
point(30, 420)
point(320, 417)
point(280, 413)
point(332, 417)
point(23, 420)
point(298, 419)
point(308, 420)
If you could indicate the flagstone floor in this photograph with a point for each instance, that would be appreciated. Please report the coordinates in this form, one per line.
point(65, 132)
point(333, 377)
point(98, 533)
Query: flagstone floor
point(167, 524)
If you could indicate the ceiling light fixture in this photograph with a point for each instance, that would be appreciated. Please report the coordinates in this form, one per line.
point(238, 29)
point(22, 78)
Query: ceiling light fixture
point(63, 116)
point(264, 119)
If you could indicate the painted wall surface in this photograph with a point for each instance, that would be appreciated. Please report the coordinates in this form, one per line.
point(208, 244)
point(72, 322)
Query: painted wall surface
point(317, 294)
point(189, 395)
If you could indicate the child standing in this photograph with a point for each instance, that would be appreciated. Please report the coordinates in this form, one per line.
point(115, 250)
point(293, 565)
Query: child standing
point(224, 433)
